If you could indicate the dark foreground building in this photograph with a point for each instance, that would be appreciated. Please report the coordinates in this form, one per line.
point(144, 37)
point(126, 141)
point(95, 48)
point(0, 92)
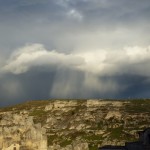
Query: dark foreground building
point(142, 144)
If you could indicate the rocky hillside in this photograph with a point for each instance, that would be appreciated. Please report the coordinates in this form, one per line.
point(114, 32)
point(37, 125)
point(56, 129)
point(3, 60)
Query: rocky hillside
point(80, 124)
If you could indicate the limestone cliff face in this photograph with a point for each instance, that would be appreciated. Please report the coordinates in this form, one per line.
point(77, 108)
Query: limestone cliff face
point(17, 131)
point(72, 124)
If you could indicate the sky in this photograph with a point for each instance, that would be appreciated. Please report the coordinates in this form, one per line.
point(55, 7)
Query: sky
point(74, 49)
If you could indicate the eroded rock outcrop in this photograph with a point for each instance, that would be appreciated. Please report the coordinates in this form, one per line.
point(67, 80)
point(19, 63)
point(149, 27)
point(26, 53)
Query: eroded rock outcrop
point(17, 131)
point(72, 124)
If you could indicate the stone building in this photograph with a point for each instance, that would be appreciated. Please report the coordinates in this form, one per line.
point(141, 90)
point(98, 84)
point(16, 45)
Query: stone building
point(142, 144)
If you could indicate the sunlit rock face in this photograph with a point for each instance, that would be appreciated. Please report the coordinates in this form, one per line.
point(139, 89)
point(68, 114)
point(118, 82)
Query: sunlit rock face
point(17, 131)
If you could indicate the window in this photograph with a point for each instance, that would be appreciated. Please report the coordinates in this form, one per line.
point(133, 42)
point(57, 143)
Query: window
point(148, 138)
point(15, 148)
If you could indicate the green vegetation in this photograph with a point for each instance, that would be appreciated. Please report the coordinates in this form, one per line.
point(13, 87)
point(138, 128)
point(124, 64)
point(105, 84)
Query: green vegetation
point(51, 139)
point(93, 138)
point(138, 106)
point(115, 133)
point(135, 117)
point(39, 115)
point(92, 147)
point(64, 143)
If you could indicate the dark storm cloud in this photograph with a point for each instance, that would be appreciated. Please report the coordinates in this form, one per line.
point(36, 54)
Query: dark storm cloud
point(74, 49)
point(135, 86)
point(33, 72)
point(69, 84)
point(94, 24)
point(31, 86)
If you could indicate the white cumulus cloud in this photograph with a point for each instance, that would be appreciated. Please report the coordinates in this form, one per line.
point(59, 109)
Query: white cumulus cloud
point(130, 60)
point(36, 55)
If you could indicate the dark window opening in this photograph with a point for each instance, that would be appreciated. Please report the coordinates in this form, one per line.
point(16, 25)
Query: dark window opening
point(148, 138)
point(15, 148)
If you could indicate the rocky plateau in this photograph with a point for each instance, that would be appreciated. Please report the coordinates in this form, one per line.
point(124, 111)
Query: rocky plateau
point(72, 124)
